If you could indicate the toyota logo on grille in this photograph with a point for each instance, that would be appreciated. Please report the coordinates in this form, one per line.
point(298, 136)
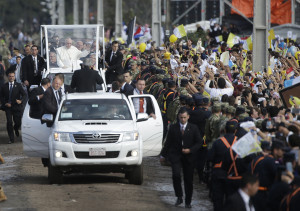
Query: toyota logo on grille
point(96, 136)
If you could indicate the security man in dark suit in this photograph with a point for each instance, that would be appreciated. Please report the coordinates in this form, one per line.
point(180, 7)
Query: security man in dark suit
point(215, 156)
point(11, 97)
point(32, 67)
point(85, 80)
point(52, 98)
point(183, 141)
point(35, 99)
point(113, 63)
point(241, 199)
point(125, 88)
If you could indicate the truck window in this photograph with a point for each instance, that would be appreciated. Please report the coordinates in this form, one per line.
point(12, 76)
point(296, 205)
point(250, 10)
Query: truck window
point(94, 109)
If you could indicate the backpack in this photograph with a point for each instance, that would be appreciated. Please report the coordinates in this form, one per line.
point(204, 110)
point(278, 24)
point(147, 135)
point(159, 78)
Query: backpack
point(173, 110)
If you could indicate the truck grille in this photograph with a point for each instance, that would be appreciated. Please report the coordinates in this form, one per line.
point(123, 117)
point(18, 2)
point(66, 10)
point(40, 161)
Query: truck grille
point(96, 138)
point(85, 155)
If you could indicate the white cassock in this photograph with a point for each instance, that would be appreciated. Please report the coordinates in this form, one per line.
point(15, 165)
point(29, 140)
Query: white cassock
point(69, 57)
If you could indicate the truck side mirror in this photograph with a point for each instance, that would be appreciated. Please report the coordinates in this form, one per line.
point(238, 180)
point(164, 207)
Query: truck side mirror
point(48, 118)
point(142, 117)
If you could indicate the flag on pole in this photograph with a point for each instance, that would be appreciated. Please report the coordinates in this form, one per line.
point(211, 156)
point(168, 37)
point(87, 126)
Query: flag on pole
point(232, 40)
point(179, 31)
point(130, 29)
point(271, 37)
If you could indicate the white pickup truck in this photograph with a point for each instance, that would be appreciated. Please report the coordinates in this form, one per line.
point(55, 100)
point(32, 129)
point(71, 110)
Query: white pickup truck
point(94, 132)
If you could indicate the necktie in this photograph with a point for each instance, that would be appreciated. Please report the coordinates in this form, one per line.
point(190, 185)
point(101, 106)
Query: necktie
point(182, 130)
point(57, 97)
point(113, 54)
point(10, 92)
point(34, 68)
point(141, 104)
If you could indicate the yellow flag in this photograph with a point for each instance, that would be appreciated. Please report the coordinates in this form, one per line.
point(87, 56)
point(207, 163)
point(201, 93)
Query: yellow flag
point(249, 43)
point(271, 37)
point(181, 30)
point(269, 71)
point(230, 40)
point(244, 65)
point(219, 49)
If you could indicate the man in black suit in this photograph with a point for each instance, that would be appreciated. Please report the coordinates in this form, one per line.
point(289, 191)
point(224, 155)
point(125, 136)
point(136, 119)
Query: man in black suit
point(64, 87)
point(85, 80)
point(52, 98)
point(113, 62)
point(125, 88)
point(12, 95)
point(183, 141)
point(35, 100)
point(241, 200)
point(32, 67)
point(142, 105)
point(128, 78)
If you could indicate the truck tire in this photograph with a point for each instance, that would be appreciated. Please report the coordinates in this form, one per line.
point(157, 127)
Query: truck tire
point(55, 175)
point(136, 176)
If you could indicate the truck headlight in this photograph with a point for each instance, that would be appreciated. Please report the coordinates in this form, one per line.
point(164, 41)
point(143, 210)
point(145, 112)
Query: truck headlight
point(63, 137)
point(131, 136)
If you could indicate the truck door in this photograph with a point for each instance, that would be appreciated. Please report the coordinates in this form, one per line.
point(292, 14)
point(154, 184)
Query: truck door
point(151, 130)
point(35, 136)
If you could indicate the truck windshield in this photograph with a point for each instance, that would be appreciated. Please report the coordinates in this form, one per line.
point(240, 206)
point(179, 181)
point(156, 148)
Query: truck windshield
point(95, 109)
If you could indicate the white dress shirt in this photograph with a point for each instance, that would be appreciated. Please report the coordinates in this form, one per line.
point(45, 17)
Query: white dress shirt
point(246, 199)
point(35, 62)
point(112, 53)
point(136, 102)
point(18, 73)
point(216, 92)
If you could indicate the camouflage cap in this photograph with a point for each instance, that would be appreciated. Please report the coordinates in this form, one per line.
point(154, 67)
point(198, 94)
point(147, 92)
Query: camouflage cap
point(160, 77)
point(258, 123)
point(216, 107)
point(243, 116)
point(215, 99)
point(224, 106)
point(132, 62)
point(230, 110)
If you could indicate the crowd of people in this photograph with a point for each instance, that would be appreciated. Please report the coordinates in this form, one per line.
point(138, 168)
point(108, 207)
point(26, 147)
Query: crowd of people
point(210, 98)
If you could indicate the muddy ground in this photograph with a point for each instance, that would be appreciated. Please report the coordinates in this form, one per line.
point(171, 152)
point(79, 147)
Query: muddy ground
point(25, 184)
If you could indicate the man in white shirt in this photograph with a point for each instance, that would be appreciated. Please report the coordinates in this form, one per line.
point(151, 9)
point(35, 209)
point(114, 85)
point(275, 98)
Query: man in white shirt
point(142, 105)
point(68, 56)
point(241, 200)
point(220, 90)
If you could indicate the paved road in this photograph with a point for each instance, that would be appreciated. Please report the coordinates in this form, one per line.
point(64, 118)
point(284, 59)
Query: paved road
point(25, 183)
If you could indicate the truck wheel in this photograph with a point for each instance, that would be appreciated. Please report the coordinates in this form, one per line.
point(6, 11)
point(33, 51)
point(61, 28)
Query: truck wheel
point(55, 175)
point(136, 175)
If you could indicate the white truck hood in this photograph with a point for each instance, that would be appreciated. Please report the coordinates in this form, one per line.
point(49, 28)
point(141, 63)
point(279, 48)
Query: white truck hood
point(90, 125)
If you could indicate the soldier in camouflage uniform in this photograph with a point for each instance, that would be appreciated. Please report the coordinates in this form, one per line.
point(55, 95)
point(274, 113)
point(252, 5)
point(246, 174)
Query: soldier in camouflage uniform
point(223, 118)
point(230, 112)
point(153, 89)
point(182, 89)
point(133, 69)
point(212, 131)
point(4, 51)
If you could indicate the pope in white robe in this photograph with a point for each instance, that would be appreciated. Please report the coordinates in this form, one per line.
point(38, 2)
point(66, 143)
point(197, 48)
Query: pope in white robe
point(68, 56)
